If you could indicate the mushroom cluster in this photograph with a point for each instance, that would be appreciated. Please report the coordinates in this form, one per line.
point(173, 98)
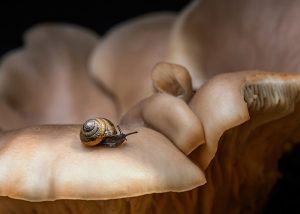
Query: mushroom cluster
point(208, 140)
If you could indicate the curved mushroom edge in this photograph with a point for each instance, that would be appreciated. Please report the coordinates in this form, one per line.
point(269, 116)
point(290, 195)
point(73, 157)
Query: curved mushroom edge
point(241, 162)
point(170, 116)
point(230, 99)
point(46, 81)
point(144, 38)
point(47, 163)
point(172, 79)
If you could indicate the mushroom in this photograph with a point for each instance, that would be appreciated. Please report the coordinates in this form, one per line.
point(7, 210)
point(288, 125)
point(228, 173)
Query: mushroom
point(174, 119)
point(249, 119)
point(47, 163)
point(172, 79)
point(232, 130)
point(258, 121)
point(211, 37)
point(48, 81)
point(136, 45)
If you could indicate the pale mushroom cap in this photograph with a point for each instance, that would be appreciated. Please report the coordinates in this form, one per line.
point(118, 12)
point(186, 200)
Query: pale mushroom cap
point(226, 100)
point(170, 116)
point(48, 82)
point(172, 79)
point(249, 119)
point(211, 37)
point(183, 50)
point(123, 60)
point(49, 162)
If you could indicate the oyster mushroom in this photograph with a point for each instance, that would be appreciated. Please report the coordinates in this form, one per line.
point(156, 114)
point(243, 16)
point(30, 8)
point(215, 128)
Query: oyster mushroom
point(47, 163)
point(211, 37)
point(249, 119)
point(244, 120)
point(47, 81)
point(136, 46)
point(172, 79)
point(186, 134)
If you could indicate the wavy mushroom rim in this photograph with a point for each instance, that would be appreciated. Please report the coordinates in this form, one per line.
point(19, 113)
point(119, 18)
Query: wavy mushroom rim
point(128, 80)
point(47, 163)
point(180, 47)
point(239, 103)
point(175, 120)
point(245, 157)
point(46, 80)
point(172, 79)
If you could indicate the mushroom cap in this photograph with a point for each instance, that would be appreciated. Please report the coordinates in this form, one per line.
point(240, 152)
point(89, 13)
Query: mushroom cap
point(227, 100)
point(123, 61)
point(172, 79)
point(170, 116)
point(47, 81)
point(45, 163)
point(249, 119)
point(211, 37)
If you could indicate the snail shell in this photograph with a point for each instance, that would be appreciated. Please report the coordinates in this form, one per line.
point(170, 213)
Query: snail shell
point(93, 131)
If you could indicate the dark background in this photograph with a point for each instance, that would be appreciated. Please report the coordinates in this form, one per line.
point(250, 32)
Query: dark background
point(15, 19)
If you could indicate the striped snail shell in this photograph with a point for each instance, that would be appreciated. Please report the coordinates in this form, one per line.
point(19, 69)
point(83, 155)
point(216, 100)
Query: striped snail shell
point(93, 131)
point(101, 131)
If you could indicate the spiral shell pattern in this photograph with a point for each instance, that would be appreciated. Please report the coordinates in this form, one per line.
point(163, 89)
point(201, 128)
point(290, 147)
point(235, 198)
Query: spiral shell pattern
point(93, 131)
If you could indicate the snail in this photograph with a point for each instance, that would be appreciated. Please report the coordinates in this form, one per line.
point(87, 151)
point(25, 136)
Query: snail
point(101, 131)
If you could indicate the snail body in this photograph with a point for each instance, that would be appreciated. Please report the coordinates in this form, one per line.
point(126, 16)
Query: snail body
point(101, 131)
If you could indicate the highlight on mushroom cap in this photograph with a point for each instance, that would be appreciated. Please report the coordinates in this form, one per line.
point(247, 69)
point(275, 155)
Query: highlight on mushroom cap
point(47, 163)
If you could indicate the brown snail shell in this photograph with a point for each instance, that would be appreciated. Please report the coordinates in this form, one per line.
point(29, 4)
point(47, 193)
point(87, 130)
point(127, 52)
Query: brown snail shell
point(93, 131)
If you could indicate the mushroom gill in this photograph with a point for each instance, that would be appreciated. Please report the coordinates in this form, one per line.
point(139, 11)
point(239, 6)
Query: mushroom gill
point(240, 157)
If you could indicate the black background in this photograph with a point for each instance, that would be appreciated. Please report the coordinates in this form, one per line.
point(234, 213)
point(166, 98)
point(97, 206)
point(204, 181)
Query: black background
point(15, 19)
